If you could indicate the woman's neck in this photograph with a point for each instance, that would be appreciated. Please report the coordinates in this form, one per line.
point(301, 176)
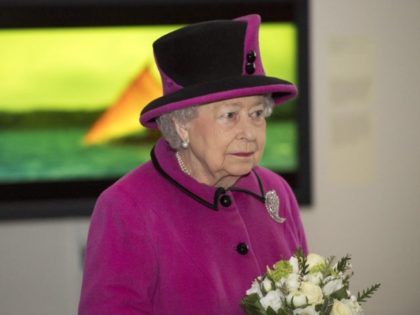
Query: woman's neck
point(202, 174)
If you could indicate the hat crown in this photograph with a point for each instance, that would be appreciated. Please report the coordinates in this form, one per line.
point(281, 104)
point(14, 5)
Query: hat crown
point(211, 61)
point(206, 52)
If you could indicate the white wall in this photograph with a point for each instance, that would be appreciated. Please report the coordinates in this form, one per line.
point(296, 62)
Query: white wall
point(366, 153)
point(366, 150)
point(40, 266)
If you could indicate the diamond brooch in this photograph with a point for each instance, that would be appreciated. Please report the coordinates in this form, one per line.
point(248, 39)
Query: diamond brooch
point(272, 204)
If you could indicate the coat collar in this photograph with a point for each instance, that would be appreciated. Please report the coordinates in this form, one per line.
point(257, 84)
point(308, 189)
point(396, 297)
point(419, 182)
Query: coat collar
point(164, 161)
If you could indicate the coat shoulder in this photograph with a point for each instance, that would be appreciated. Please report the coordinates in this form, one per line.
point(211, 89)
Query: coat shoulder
point(137, 179)
point(133, 189)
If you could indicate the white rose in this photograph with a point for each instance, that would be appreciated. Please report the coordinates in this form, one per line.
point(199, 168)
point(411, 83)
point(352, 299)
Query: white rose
point(267, 284)
point(297, 299)
point(293, 261)
point(312, 292)
point(293, 282)
point(255, 288)
point(340, 308)
point(272, 299)
point(314, 278)
point(332, 286)
point(313, 261)
point(354, 306)
point(309, 310)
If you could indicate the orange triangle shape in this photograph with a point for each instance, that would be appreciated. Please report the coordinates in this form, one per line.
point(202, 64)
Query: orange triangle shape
point(122, 117)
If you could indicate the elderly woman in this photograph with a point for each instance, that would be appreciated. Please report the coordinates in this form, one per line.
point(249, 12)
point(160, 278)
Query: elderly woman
point(187, 232)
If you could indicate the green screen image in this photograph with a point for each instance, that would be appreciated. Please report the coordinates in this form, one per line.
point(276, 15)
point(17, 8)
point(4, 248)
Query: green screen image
point(60, 85)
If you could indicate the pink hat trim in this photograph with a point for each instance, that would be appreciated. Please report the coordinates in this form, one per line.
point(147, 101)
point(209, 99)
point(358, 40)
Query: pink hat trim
point(251, 42)
point(147, 119)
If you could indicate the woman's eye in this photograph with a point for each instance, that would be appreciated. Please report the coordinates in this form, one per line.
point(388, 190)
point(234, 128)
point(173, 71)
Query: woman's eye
point(258, 114)
point(229, 115)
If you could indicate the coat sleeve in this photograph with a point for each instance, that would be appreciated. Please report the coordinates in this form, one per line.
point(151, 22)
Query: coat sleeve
point(120, 268)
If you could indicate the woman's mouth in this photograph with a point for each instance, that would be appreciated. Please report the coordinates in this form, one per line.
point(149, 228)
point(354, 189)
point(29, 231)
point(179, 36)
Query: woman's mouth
point(243, 154)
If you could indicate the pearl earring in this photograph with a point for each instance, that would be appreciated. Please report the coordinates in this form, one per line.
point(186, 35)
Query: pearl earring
point(184, 144)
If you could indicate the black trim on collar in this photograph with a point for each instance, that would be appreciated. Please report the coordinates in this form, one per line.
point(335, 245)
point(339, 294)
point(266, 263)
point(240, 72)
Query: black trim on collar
point(260, 198)
point(219, 190)
point(182, 188)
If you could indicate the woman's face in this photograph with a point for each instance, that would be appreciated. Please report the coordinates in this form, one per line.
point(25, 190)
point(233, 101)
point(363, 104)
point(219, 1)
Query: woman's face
point(226, 140)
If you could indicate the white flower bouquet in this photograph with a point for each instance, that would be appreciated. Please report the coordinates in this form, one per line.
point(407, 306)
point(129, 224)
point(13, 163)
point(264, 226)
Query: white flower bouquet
point(306, 285)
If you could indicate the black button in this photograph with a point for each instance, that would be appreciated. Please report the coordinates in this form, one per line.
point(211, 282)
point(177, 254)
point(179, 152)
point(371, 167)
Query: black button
point(242, 248)
point(225, 201)
point(251, 56)
point(250, 68)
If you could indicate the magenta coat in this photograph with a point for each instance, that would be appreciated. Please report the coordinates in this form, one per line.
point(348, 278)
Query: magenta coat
point(161, 243)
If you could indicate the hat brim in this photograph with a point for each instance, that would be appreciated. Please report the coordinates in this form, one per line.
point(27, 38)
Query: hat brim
point(209, 92)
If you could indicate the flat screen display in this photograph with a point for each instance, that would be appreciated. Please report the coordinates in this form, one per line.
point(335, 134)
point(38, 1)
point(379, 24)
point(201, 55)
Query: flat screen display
point(74, 79)
point(70, 100)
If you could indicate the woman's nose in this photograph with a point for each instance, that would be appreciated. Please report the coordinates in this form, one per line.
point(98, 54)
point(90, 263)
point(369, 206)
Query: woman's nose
point(246, 129)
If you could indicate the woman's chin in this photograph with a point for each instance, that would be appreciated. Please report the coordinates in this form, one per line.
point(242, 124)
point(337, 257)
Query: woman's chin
point(240, 169)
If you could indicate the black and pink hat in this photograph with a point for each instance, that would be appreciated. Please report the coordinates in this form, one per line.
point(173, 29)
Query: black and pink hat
point(211, 61)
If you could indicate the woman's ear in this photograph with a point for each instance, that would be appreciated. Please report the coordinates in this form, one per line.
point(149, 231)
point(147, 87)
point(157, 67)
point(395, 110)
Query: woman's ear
point(182, 131)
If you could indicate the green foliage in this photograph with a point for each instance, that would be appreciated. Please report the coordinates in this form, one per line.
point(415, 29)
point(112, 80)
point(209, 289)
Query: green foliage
point(303, 265)
point(285, 310)
point(340, 294)
point(284, 289)
point(342, 264)
point(252, 306)
point(325, 308)
point(367, 293)
point(327, 267)
point(281, 269)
